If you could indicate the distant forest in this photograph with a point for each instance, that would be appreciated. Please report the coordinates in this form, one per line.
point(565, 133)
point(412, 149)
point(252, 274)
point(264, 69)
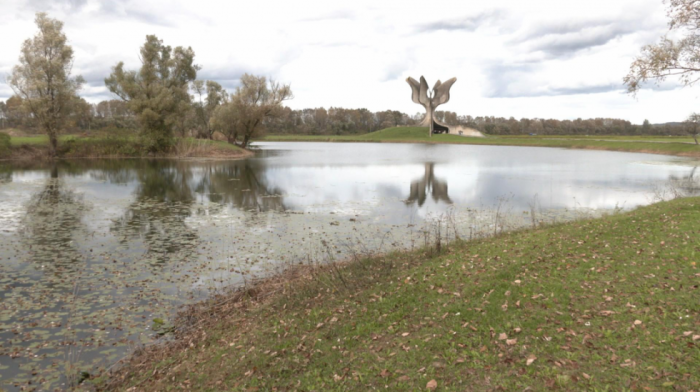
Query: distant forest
point(114, 115)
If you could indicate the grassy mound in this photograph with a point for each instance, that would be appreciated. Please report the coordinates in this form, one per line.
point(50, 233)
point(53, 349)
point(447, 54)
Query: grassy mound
point(606, 304)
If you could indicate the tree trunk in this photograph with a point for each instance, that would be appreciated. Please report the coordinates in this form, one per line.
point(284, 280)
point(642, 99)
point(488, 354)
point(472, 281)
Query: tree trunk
point(53, 144)
point(231, 137)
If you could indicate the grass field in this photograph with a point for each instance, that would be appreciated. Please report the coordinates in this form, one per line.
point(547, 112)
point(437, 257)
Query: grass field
point(603, 305)
point(658, 145)
point(79, 146)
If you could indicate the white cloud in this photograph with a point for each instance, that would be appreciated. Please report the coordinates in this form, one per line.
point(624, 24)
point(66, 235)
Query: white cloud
point(511, 58)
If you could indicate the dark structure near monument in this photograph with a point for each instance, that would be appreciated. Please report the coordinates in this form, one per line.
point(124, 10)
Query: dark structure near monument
point(437, 128)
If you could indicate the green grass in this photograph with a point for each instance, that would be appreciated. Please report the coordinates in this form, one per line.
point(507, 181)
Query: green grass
point(658, 145)
point(125, 144)
point(606, 304)
point(39, 140)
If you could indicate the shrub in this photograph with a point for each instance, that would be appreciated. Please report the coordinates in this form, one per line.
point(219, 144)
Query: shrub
point(4, 144)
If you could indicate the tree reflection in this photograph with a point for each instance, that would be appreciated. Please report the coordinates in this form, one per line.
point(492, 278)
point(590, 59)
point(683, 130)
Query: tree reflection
point(688, 185)
point(5, 174)
point(241, 185)
point(164, 200)
point(52, 222)
point(428, 184)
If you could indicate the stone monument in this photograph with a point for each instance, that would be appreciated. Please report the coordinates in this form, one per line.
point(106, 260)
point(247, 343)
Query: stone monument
point(431, 99)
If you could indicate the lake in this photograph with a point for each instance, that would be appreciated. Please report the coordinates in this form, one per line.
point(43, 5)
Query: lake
point(92, 251)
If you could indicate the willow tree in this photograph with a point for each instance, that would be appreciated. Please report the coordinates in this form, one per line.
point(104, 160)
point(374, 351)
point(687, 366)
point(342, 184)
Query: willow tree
point(668, 57)
point(156, 92)
point(254, 101)
point(43, 78)
point(225, 119)
point(211, 95)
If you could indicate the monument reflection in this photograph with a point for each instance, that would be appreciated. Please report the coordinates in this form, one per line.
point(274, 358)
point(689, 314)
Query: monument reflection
point(428, 184)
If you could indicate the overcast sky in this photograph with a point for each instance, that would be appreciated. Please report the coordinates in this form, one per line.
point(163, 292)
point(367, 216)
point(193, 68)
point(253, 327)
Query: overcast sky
point(550, 59)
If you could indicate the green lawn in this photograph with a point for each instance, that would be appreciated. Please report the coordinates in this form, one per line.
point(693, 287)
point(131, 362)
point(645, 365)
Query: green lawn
point(604, 305)
point(659, 145)
point(38, 140)
point(126, 145)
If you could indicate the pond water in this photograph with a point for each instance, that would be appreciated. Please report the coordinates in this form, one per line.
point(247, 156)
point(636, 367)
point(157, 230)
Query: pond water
point(91, 252)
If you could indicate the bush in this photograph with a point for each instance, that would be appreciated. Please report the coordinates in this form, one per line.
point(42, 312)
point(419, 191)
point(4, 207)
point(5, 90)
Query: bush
point(4, 145)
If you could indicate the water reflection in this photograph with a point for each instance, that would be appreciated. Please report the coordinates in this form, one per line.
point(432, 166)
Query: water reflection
point(162, 203)
point(685, 185)
point(241, 185)
point(52, 224)
point(428, 183)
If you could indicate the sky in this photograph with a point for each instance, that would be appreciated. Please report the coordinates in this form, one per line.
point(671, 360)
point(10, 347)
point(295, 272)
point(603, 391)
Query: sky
point(535, 59)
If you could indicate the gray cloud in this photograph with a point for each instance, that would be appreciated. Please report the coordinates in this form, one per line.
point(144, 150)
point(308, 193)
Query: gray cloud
point(46, 5)
point(516, 81)
point(467, 23)
point(136, 11)
point(566, 38)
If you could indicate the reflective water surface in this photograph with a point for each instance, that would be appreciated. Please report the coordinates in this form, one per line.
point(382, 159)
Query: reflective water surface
point(91, 252)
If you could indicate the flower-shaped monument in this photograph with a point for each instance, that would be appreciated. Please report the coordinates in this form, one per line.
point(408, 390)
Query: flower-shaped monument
point(431, 99)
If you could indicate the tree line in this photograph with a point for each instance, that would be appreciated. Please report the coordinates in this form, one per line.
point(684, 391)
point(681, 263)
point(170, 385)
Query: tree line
point(162, 98)
point(202, 118)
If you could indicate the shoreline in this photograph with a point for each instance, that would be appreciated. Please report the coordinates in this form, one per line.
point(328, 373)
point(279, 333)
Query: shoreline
point(206, 149)
point(248, 321)
point(671, 148)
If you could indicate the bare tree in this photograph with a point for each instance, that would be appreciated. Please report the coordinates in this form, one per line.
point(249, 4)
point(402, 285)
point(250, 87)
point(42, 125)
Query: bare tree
point(42, 78)
point(668, 57)
point(253, 102)
point(692, 125)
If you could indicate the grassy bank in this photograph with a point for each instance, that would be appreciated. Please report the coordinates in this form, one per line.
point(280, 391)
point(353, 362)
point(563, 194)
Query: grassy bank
point(680, 146)
point(114, 146)
point(605, 304)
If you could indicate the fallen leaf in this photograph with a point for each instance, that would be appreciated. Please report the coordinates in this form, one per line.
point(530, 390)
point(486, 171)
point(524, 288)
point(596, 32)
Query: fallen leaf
point(637, 322)
point(511, 342)
point(405, 334)
point(502, 336)
point(530, 360)
point(431, 385)
point(696, 337)
point(687, 333)
point(517, 281)
point(586, 376)
point(517, 330)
